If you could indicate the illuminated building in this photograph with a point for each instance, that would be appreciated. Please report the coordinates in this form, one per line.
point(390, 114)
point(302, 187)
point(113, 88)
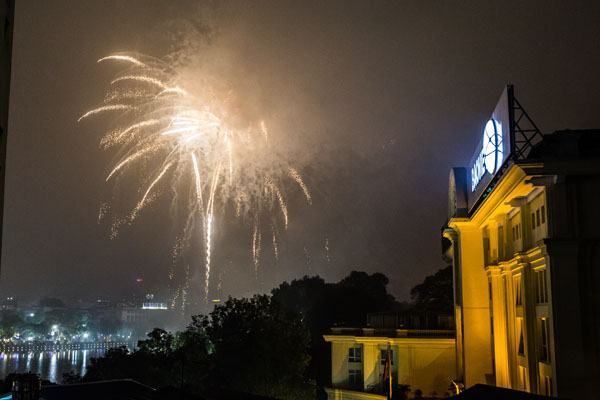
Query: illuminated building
point(150, 314)
point(423, 359)
point(9, 303)
point(7, 11)
point(524, 241)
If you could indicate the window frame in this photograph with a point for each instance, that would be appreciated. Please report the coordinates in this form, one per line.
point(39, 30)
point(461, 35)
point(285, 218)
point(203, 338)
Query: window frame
point(518, 289)
point(382, 353)
point(355, 354)
point(544, 347)
point(541, 287)
point(543, 213)
point(355, 377)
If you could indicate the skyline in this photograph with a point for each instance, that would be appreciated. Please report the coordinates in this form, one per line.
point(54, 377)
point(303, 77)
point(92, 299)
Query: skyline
point(384, 123)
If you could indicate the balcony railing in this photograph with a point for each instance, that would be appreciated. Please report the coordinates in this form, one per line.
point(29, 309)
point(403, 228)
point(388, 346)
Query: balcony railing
point(393, 333)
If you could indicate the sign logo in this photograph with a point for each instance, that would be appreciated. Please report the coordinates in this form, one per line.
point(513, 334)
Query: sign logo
point(491, 156)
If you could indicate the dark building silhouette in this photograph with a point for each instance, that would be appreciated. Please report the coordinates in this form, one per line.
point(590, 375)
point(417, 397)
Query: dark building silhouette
point(7, 17)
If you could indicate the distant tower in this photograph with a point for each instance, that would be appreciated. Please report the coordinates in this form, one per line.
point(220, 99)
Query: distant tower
point(7, 17)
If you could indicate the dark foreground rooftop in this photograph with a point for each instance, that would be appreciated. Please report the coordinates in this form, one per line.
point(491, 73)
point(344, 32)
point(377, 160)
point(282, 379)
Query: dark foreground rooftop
point(128, 389)
point(487, 392)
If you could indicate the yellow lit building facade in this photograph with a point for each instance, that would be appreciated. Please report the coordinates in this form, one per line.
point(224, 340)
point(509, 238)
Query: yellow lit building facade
point(524, 238)
point(424, 360)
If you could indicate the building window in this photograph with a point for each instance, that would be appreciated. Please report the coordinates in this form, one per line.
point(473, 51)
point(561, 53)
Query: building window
point(518, 291)
point(548, 386)
point(537, 217)
point(543, 212)
point(516, 232)
point(532, 220)
point(541, 288)
point(354, 354)
point(521, 349)
point(355, 377)
point(384, 356)
point(523, 378)
point(544, 341)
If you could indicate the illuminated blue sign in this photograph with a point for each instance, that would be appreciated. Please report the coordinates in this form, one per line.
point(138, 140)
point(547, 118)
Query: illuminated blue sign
point(491, 156)
point(492, 150)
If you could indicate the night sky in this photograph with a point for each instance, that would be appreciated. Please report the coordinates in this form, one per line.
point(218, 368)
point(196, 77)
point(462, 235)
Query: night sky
point(374, 100)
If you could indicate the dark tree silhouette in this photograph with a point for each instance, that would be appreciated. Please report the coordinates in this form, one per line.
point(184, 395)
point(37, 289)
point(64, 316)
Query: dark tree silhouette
point(51, 302)
point(435, 293)
point(323, 305)
point(260, 347)
point(245, 345)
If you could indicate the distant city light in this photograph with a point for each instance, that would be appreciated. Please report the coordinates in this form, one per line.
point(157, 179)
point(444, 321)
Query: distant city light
point(154, 306)
point(32, 314)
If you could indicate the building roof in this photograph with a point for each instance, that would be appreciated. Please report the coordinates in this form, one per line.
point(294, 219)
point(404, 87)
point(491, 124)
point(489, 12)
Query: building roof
point(394, 333)
point(129, 389)
point(567, 144)
point(487, 392)
point(122, 389)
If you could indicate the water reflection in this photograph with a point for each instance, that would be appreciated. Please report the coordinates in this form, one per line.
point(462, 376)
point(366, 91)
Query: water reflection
point(49, 365)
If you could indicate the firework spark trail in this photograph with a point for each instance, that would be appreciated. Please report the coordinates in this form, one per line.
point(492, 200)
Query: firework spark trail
point(111, 107)
point(140, 78)
point(118, 57)
point(168, 128)
point(135, 127)
point(298, 178)
point(209, 229)
point(198, 181)
point(230, 158)
point(254, 242)
point(172, 90)
point(281, 201)
point(282, 205)
point(154, 182)
point(256, 238)
point(104, 208)
point(186, 287)
point(264, 130)
point(275, 245)
point(127, 160)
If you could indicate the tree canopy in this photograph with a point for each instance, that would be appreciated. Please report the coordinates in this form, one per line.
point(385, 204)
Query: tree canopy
point(246, 345)
point(435, 293)
point(269, 345)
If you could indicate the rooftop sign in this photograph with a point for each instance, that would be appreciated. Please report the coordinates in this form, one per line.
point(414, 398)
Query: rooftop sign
point(493, 149)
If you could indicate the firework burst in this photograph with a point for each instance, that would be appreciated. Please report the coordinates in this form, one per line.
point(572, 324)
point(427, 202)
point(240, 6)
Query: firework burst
point(184, 141)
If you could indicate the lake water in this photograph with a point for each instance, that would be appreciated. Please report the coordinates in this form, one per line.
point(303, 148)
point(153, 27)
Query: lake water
point(49, 365)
